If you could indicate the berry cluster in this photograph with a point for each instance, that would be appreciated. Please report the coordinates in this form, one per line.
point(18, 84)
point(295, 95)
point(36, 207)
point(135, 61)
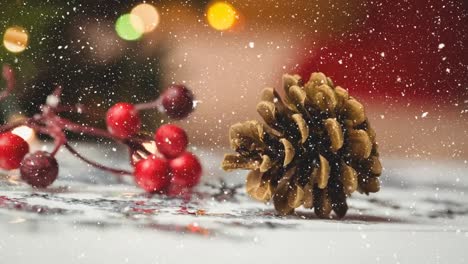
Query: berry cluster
point(176, 170)
point(171, 169)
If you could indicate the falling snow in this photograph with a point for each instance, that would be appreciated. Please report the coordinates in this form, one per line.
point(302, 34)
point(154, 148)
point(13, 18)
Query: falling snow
point(405, 61)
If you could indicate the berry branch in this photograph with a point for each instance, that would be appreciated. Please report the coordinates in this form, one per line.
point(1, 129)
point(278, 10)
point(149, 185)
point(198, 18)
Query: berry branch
point(9, 76)
point(95, 164)
point(172, 166)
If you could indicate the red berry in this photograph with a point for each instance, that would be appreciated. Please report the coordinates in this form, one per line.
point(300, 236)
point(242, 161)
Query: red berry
point(12, 150)
point(123, 120)
point(152, 174)
point(177, 101)
point(171, 140)
point(186, 170)
point(39, 169)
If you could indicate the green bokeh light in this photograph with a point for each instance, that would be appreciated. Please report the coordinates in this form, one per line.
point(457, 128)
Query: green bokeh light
point(125, 29)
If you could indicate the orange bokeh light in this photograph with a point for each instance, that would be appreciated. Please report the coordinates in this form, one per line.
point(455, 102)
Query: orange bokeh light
point(148, 15)
point(15, 39)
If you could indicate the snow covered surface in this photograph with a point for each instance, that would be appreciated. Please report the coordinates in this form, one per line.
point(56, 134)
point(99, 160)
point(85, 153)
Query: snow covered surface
point(419, 216)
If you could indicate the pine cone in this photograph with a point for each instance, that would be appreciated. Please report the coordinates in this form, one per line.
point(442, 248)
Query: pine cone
point(316, 148)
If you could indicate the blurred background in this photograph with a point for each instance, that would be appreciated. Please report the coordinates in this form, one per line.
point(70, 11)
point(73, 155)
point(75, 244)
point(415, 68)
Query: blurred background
point(406, 60)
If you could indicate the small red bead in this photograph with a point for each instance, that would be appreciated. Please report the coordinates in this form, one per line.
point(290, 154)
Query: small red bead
point(123, 120)
point(39, 169)
point(177, 101)
point(186, 170)
point(13, 148)
point(171, 140)
point(152, 174)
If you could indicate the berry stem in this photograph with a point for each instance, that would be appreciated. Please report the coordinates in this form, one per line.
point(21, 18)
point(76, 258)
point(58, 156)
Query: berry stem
point(133, 143)
point(155, 104)
point(135, 146)
point(9, 77)
point(59, 141)
point(119, 172)
point(81, 129)
point(78, 108)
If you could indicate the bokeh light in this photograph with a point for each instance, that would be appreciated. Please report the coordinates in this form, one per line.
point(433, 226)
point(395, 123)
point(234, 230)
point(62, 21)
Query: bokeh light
point(15, 39)
point(147, 14)
point(221, 15)
point(129, 27)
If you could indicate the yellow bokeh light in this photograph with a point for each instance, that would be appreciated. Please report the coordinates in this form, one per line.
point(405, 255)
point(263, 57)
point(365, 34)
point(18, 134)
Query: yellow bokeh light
point(148, 15)
point(221, 15)
point(15, 39)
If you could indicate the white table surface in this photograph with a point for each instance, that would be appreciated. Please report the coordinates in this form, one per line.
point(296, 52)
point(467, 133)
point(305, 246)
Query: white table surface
point(419, 216)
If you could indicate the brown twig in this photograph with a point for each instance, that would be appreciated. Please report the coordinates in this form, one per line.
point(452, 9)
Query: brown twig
point(10, 80)
point(95, 164)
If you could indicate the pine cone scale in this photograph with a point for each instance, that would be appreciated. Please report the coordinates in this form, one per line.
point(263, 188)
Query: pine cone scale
point(335, 134)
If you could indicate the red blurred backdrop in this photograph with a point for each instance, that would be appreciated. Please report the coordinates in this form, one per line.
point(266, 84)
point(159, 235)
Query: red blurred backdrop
point(400, 51)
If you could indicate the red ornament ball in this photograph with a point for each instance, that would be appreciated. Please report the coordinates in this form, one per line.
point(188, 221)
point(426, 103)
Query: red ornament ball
point(171, 140)
point(186, 170)
point(177, 101)
point(39, 169)
point(123, 120)
point(152, 174)
point(13, 148)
